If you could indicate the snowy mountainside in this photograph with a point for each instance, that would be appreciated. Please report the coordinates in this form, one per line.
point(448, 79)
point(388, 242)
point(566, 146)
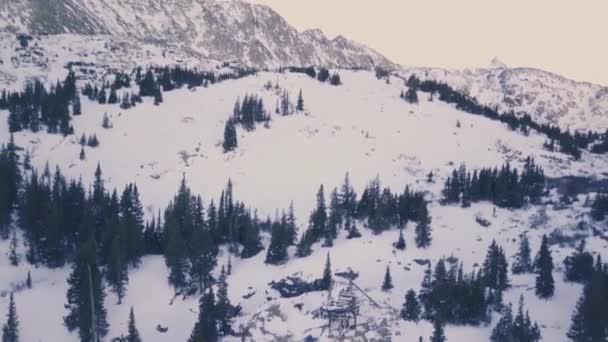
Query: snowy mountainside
point(233, 30)
point(547, 97)
point(361, 127)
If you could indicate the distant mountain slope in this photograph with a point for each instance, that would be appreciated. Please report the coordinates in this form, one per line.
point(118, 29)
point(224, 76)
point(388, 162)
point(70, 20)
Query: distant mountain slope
point(547, 97)
point(222, 30)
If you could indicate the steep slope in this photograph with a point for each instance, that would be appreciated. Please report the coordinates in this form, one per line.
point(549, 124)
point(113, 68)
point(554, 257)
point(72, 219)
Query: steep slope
point(547, 97)
point(221, 30)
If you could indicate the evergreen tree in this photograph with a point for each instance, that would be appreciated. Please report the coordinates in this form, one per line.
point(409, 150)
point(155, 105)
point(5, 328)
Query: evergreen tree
point(411, 95)
point(323, 75)
point(28, 280)
point(400, 244)
point(318, 218)
point(223, 308)
point(438, 334)
point(495, 268)
point(523, 259)
point(117, 272)
point(158, 96)
point(105, 123)
point(387, 284)
point(77, 106)
point(411, 308)
point(423, 229)
point(327, 276)
point(590, 318)
point(579, 266)
point(13, 256)
point(10, 330)
point(85, 296)
point(279, 241)
point(230, 138)
point(545, 285)
point(113, 98)
point(519, 329)
point(205, 328)
point(300, 103)
point(82, 155)
point(133, 334)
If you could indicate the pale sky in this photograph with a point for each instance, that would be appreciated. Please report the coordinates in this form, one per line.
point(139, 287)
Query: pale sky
point(568, 37)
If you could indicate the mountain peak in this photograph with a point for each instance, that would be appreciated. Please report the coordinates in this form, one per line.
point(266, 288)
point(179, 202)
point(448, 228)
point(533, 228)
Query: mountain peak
point(496, 63)
point(222, 30)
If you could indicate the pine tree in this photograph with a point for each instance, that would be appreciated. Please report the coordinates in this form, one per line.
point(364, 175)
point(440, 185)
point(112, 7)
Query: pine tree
point(327, 276)
point(545, 285)
point(277, 250)
point(438, 334)
point(13, 256)
point(117, 272)
point(579, 266)
point(400, 244)
point(28, 280)
point(113, 98)
point(523, 259)
point(205, 328)
point(387, 284)
point(411, 308)
point(411, 95)
point(590, 318)
point(495, 268)
point(223, 308)
point(158, 96)
point(10, 330)
point(105, 123)
point(423, 229)
point(77, 106)
point(300, 103)
point(230, 138)
point(82, 155)
point(133, 334)
point(85, 296)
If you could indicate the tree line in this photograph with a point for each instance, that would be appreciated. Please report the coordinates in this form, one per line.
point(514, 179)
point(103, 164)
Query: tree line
point(505, 186)
point(37, 107)
point(567, 142)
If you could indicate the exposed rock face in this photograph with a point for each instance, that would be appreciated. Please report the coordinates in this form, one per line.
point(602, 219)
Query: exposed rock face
point(223, 30)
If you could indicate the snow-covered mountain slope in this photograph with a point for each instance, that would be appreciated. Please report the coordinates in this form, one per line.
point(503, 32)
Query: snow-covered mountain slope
point(215, 31)
point(547, 97)
point(221, 30)
point(362, 127)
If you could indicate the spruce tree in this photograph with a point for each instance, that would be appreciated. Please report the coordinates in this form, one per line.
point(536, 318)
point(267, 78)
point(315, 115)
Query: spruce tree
point(579, 266)
point(85, 295)
point(230, 138)
point(327, 276)
point(13, 256)
point(10, 330)
point(82, 155)
point(590, 318)
point(133, 334)
point(523, 259)
point(400, 244)
point(387, 284)
point(205, 328)
point(277, 250)
point(117, 272)
point(28, 280)
point(423, 229)
point(77, 106)
point(438, 334)
point(300, 103)
point(545, 285)
point(411, 308)
point(223, 308)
